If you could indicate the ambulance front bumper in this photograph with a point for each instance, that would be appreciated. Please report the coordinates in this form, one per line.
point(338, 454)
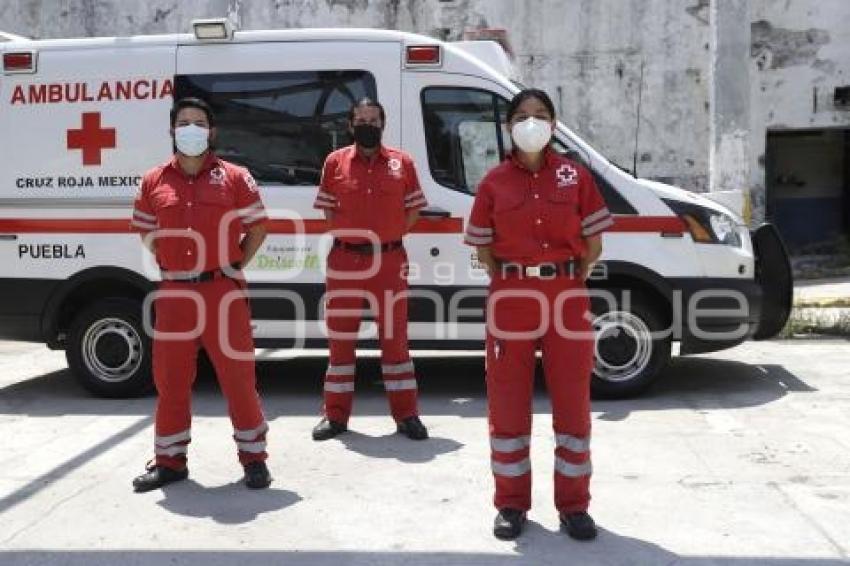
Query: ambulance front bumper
point(740, 309)
point(717, 313)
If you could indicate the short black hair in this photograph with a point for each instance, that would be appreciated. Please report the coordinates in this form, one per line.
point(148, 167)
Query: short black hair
point(524, 95)
point(192, 102)
point(366, 102)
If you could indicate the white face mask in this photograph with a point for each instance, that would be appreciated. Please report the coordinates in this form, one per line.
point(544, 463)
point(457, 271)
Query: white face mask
point(191, 140)
point(532, 134)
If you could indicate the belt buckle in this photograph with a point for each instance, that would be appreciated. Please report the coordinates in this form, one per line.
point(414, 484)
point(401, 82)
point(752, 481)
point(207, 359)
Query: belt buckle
point(532, 271)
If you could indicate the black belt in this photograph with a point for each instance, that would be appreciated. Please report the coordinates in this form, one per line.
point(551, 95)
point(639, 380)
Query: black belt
point(202, 277)
point(368, 248)
point(542, 271)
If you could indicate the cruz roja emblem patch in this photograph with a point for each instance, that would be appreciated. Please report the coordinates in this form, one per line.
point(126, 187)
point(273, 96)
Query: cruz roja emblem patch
point(566, 175)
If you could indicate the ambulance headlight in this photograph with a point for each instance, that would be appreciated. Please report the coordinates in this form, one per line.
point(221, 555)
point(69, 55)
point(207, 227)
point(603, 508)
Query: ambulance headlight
point(706, 225)
point(725, 229)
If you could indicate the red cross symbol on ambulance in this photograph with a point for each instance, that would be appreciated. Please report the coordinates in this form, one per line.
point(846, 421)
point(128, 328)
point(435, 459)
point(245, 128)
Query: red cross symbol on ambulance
point(91, 138)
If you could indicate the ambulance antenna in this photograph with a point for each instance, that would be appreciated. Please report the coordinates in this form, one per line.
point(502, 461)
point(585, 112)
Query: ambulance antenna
point(637, 125)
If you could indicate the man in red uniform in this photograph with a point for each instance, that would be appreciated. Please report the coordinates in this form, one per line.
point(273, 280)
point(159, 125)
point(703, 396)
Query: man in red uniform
point(192, 213)
point(537, 221)
point(371, 197)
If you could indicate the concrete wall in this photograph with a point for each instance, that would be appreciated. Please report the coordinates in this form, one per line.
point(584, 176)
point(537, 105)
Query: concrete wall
point(800, 53)
point(588, 54)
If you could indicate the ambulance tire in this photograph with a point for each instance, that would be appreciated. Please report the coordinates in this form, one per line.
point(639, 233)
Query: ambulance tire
point(108, 351)
point(627, 358)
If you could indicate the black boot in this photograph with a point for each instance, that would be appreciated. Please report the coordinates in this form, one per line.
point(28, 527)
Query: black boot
point(580, 526)
point(158, 476)
point(508, 524)
point(257, 475)
point(327, 429)
point(413, 428)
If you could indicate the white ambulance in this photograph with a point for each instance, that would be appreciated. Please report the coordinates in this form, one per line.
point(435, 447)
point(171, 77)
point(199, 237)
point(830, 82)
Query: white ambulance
point(81, 119)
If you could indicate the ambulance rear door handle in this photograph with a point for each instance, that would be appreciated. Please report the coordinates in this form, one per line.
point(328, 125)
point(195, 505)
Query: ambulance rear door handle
point(8, 237)
point(434, 213)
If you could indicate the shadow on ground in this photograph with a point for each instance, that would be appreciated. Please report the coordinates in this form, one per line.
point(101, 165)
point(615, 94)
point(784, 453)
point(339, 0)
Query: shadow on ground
point(395, 446)
point(448, 386)
point(228, 504)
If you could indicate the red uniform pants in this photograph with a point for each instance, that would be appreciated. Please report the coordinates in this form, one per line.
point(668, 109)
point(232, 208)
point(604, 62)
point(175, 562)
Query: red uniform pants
point(227, 339)
point(382, 287)
point(529, 307)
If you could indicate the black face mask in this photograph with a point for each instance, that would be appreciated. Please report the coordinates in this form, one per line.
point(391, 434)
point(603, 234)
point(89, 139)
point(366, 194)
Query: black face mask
point(367, 135)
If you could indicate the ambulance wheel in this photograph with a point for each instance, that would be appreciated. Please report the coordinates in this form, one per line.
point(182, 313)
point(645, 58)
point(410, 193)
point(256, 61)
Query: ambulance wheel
point(628, 357)
point(108, 350)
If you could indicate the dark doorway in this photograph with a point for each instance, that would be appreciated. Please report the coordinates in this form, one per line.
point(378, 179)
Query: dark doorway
point(807, 180)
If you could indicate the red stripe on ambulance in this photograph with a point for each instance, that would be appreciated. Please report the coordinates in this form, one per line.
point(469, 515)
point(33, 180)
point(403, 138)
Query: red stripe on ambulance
point(647, 224)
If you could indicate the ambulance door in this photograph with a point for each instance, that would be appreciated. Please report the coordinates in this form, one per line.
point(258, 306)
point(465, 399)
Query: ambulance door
point(281, 107)
point(453, 128)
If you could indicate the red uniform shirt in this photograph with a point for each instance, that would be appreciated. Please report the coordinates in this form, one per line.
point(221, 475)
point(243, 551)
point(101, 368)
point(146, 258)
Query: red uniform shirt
point(373, 194)
point(532, 218)
point(220, 195)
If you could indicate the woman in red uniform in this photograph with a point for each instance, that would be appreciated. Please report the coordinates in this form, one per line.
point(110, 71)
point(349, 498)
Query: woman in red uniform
point(536, 222)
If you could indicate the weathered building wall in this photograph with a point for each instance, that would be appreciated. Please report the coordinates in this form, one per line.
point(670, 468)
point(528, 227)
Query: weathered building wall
point(588, 54)
point(729, 96)
point(800, 53)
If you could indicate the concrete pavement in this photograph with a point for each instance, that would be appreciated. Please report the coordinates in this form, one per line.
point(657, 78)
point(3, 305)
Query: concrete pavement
point(740, 457)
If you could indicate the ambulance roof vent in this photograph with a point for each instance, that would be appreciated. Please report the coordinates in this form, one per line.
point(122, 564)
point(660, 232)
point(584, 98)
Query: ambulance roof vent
point(491, 47)
point(213, 29)
point(6, 36)
point(499, 35)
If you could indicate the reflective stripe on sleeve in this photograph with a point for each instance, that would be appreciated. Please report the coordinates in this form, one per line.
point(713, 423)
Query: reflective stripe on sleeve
point(478, 240)
point(473, 230)
point(143, 225)
point(260, 215)
point(321, 203)
point(414, 204)
point(595, 217)
point(144, 215)
point(250, 209)
point(598, 227)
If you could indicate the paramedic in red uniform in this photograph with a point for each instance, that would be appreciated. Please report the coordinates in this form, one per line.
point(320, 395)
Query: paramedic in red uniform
point(210, 204)
point(536, 223)
point(371, 197)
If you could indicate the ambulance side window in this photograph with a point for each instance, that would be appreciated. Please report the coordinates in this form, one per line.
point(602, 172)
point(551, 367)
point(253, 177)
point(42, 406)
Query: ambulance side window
point(463, 133)
point(280, 125)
